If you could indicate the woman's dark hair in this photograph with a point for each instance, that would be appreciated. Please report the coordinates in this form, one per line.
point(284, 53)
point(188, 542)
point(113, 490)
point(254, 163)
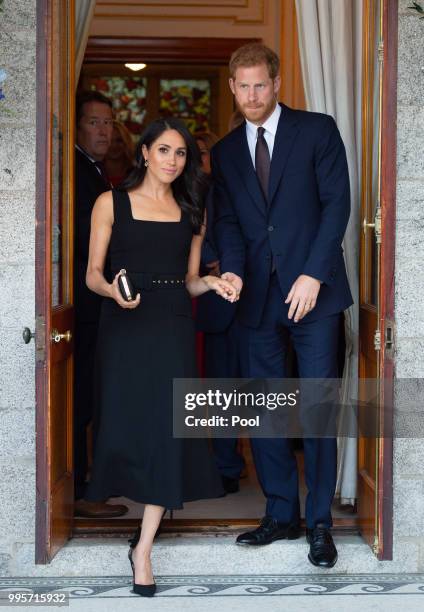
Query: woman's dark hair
point(190, 187)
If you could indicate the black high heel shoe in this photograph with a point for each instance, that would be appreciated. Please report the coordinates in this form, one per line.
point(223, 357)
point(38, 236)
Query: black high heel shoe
point(145, 590)
point(135, 539)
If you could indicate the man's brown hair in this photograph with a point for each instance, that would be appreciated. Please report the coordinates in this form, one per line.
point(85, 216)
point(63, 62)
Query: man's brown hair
point(254, 54)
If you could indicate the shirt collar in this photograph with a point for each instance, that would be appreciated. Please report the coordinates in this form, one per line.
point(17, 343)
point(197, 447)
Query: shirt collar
point(85, 153)
point(270, 125)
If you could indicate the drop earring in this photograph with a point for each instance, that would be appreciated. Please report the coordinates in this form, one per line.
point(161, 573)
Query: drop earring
point(146, 163)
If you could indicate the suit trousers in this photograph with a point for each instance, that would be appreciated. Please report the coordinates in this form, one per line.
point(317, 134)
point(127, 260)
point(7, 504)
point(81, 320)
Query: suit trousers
point(262, 355)
point(85, 348)
point(221, 361)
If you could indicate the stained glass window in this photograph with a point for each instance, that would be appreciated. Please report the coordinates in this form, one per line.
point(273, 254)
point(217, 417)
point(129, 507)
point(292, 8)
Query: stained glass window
point(190, 100)
point(128, 95)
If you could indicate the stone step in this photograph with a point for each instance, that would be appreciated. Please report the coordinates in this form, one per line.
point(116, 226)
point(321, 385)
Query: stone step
point(205, 555)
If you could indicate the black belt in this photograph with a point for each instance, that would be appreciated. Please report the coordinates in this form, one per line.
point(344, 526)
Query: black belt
point(144, 281)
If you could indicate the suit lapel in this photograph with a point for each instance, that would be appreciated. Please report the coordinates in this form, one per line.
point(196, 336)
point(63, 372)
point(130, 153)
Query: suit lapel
point(243, 161)
point(287, 132)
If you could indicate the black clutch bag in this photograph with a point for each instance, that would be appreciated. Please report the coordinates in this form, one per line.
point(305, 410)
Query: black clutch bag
point(125, 286)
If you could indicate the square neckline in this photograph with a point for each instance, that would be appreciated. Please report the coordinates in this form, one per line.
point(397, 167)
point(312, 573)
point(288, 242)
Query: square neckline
point(150, 220)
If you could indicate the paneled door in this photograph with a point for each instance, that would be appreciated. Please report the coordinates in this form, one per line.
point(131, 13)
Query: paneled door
point(54, 269)
point(376, 269)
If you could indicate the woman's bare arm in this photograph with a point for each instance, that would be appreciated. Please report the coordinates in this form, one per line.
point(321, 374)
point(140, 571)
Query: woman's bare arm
point(101, 230)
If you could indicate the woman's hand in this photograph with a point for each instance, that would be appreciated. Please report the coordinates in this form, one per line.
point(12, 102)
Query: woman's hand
point(221, 287)
point(115, 294)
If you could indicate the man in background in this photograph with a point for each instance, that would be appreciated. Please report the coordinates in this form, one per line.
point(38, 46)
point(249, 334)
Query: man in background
point(216, 319)
point(94, 123)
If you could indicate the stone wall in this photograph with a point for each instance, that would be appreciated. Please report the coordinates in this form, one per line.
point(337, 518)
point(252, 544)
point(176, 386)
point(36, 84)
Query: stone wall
point(409, 274)
point(17, 225)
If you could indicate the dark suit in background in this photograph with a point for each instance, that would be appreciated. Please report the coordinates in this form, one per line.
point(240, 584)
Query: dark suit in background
point(89, 184)
point(269, 240)
point(215, 317)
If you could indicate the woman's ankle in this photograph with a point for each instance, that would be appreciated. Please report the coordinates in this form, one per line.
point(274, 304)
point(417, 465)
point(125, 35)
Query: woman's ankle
point(143, 551)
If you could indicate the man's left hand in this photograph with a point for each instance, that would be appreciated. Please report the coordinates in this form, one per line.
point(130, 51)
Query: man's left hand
point(302, 296)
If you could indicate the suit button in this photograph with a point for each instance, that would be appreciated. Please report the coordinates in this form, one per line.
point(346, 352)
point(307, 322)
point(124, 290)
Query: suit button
point(270, 228)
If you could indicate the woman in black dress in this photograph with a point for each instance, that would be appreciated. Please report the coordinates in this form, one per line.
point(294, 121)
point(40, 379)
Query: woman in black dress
point(153, 227)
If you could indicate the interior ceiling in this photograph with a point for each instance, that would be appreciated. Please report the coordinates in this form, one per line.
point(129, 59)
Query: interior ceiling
point(248, 11)
point(189, 18)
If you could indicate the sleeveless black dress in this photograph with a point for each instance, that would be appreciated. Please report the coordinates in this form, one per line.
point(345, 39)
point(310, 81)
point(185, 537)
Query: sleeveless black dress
point(138, 354)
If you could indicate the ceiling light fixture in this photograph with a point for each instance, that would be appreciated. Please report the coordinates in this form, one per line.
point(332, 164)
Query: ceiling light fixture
point(135, 67)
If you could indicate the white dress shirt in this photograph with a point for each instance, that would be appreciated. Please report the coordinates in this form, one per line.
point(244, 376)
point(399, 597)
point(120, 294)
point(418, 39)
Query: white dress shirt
point(270, 127)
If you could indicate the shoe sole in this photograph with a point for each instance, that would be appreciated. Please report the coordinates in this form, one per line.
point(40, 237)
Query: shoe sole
point(326, 565)
point(286, 537)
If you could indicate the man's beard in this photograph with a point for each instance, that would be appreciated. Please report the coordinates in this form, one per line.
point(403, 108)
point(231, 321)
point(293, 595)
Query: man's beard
point(260, 113)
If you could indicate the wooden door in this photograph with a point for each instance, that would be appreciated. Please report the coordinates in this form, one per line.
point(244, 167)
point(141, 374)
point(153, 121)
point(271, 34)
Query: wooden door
point(376, 269)
point(54, 256)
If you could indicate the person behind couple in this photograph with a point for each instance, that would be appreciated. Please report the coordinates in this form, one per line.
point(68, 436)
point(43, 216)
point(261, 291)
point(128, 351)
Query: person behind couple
point(282, 202)
point(119, 159)
point(94, 118)
point(215, 318)
point(154, 227)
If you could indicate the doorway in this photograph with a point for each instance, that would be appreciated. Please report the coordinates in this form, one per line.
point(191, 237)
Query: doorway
point(54, 293)
point(101, 71)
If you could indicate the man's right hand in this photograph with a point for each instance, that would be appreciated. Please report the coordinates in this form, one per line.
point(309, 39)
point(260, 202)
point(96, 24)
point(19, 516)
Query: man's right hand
point(234, 280)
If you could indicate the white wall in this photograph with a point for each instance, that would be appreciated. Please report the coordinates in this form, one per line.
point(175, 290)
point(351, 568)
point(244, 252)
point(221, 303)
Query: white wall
point(17, 227)
point(409, 278)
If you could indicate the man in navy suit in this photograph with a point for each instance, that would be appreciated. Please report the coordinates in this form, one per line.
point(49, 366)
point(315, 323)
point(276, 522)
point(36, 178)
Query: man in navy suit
point(282, 202)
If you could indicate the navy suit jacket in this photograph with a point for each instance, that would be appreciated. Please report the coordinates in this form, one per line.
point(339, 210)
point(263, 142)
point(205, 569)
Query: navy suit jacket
point(214, 314)
point(302, 225)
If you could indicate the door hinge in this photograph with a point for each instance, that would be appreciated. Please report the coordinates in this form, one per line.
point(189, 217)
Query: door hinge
point(380, 49)
point(389, 337)
point(375, 546)
point(377, 222)
point(40, 338)
point(377, 340)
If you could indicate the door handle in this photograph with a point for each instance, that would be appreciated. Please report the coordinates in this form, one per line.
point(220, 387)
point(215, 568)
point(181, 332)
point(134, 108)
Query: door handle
point(376, 225)
point(366, 225)
point(27, 335)
point(57, 337)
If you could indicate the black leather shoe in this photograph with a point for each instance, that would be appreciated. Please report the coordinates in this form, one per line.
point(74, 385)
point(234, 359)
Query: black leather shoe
point(231, 485)
point(322, 551)
point(269, 531)
point(89, 509)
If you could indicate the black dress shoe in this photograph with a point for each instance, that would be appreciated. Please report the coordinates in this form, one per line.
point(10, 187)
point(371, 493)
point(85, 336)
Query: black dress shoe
point(231, 485)
point(144, 590)
point(322, 551)
point(269, 531)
